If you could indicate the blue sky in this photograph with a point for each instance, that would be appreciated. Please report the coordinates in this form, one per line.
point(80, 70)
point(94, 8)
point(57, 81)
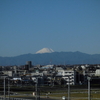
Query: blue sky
point(27, 26)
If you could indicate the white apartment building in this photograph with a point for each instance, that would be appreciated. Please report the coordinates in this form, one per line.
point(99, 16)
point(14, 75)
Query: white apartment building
point(68, 75)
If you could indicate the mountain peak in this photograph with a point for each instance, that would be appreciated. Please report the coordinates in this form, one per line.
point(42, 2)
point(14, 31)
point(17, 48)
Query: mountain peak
point(45, 50)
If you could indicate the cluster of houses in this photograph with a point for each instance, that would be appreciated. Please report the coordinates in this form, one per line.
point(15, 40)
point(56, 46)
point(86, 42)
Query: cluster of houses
point(50, 74)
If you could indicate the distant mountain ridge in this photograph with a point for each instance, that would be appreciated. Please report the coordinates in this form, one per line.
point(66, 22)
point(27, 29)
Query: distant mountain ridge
point(52, 58)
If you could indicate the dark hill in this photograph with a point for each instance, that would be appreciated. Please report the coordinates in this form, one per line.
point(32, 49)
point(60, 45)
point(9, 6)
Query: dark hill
point(52, 58)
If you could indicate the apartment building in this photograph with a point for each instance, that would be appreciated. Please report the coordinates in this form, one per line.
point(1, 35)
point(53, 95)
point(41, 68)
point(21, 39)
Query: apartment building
point(68, 75)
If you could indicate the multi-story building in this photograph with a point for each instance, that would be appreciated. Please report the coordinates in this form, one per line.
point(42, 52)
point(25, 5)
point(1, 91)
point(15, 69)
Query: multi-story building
point(69, 76)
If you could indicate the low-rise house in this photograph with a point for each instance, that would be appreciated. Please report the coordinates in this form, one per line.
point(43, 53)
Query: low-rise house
point(97, 72)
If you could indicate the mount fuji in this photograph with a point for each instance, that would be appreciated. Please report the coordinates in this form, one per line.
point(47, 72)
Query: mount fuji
point(45, 50)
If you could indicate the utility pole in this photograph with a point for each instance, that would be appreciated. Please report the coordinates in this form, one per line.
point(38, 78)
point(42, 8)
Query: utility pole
point(89, 92)
point(4, 89)
point(36, 88)
point(68, 88)
point(8, 89)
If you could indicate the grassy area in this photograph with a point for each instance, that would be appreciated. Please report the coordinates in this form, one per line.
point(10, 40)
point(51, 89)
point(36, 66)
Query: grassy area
point(96, 95)
point(56, 92)
point(76, 96)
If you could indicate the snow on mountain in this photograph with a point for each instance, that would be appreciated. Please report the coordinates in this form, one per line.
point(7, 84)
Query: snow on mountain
point(45, 50)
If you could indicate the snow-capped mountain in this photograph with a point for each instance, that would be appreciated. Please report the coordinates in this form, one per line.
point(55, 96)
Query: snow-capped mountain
point(45, 50)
